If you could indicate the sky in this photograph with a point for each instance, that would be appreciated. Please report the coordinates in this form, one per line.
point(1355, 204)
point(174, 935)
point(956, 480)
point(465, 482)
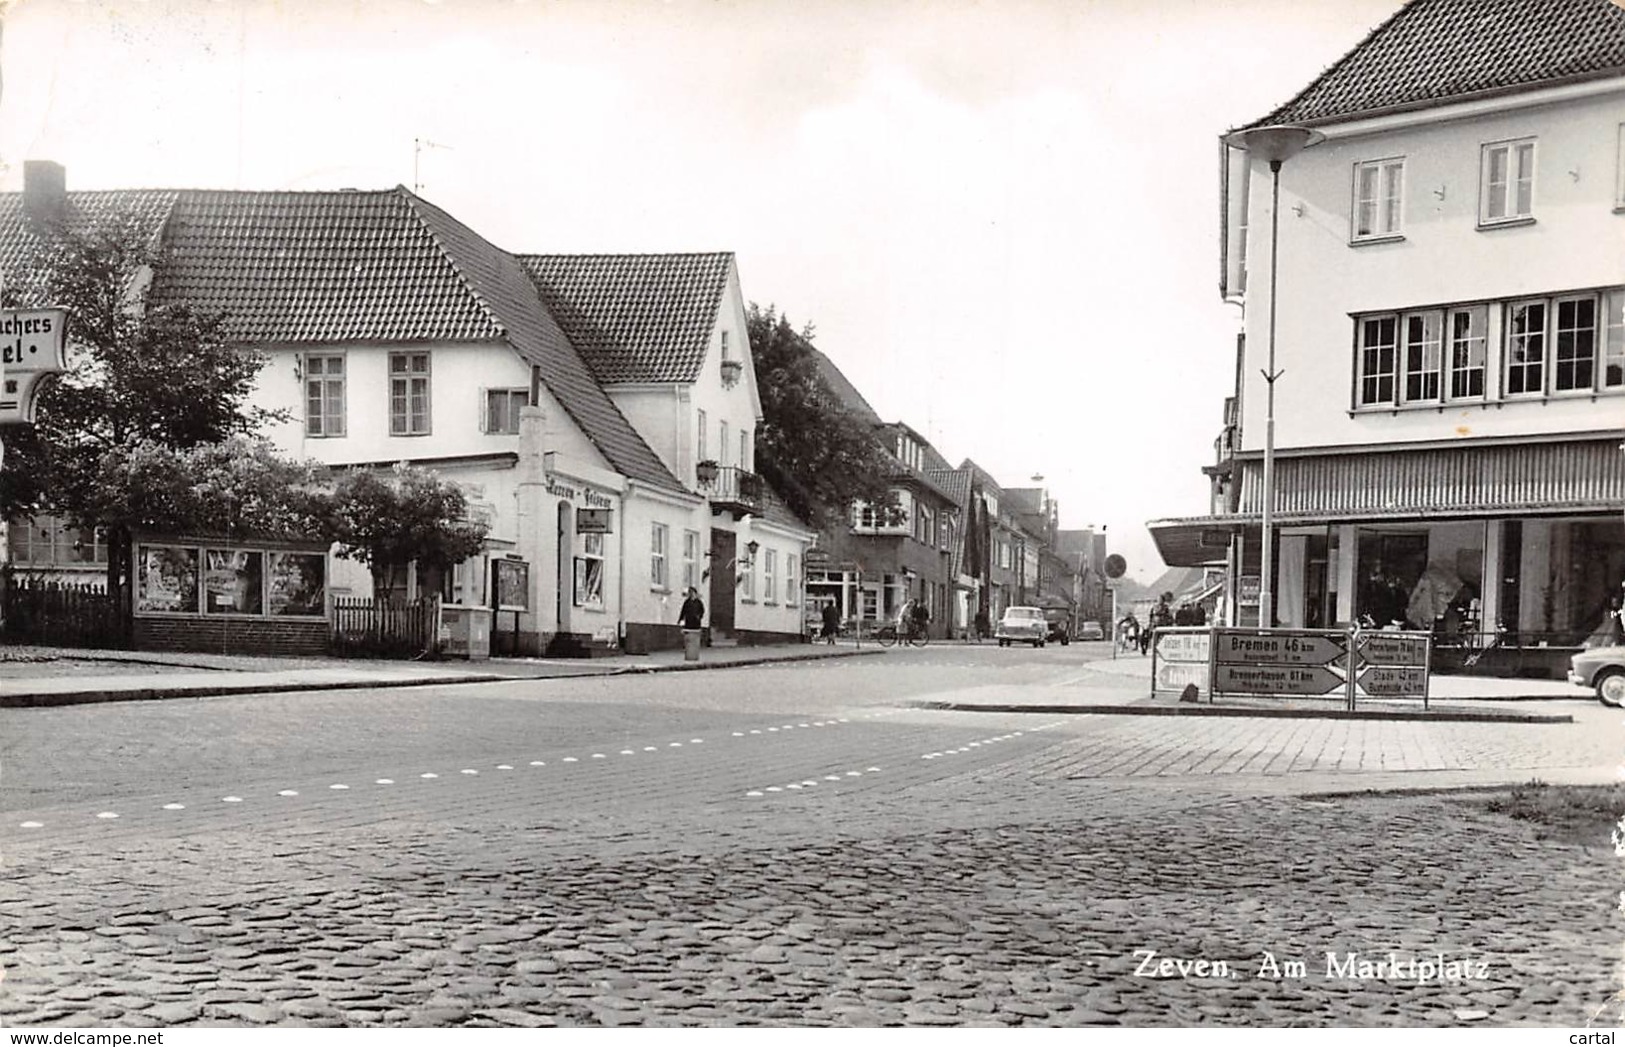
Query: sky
point(1000, 219)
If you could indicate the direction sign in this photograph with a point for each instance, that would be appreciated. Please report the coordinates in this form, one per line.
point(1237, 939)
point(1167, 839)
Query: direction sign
point(1279, 647)
point(1393, 649)
point(1182, 647)
point(1384, 681)
point(1276, 679)
point(1175, 676)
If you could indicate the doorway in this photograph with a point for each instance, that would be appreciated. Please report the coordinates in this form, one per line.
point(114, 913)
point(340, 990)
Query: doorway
point(565, 572)
point(724, 547)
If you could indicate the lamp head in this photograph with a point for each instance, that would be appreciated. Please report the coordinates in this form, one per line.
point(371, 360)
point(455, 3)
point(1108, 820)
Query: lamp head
point(1274, 143)
point(751, 547)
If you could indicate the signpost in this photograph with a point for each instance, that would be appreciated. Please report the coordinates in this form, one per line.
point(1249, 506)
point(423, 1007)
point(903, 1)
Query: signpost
point(1320, 663)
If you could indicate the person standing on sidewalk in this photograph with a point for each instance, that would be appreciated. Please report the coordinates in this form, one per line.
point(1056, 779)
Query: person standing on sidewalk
point(692, 615)
point(832, 621)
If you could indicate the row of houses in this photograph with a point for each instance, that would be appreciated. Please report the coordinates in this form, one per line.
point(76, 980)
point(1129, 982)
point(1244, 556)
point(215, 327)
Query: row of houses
point(1447, 328)
point(599, 411)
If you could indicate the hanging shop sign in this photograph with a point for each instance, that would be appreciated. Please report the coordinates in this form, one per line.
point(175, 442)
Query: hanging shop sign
point(593, 521)
point(33, 345)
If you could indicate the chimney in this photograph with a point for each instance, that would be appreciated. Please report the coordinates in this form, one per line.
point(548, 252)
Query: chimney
point(45, 190)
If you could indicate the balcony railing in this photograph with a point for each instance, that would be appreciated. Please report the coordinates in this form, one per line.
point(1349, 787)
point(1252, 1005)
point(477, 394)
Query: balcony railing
point(733, 488)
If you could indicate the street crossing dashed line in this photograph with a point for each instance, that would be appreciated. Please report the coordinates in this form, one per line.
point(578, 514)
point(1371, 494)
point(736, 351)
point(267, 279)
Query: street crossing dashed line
point(968, 746)
point(473, 772)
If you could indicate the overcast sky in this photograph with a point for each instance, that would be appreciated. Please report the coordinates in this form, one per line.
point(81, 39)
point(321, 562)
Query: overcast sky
point(1001, 218)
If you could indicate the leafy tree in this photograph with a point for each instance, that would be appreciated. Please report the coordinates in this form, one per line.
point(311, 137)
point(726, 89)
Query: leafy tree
point(387, 521)
point(141, 375)
point(815, 451)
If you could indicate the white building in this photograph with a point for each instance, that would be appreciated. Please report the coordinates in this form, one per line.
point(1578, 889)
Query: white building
point(1449, 332)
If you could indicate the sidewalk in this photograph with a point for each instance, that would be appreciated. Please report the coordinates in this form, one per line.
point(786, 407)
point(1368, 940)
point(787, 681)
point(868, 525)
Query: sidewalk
point(42, 676)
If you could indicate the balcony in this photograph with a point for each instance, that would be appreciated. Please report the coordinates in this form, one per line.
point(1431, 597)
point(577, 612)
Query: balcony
point(729, 487)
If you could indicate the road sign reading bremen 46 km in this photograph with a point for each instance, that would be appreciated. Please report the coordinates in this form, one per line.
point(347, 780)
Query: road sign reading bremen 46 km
point(1243, 648)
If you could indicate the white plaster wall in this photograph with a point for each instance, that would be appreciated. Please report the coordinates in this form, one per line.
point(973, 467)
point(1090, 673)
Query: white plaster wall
point(459, 374)
point(739, 406)
point(661, 415)
point(781, 615)
point(643, 601)
point(1575, 244)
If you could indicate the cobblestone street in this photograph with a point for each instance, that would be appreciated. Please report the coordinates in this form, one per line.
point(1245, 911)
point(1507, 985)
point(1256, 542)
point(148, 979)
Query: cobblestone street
point(715, 861)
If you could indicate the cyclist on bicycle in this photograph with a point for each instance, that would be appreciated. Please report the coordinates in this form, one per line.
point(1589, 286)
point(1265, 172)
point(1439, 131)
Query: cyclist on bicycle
point(919, 618)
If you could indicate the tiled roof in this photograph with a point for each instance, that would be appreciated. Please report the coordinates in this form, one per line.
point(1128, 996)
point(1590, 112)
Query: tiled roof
point(513, 302)
point(982, 476)
point(844, 391)
point(637, 317)
point(776, 510)
point(953, 482)
point(333, 267)
point(318, 267)
point(20, 239)
point(1433, 51)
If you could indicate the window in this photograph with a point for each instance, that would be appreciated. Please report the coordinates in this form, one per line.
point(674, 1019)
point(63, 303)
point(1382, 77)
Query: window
point(1613, 353)
point(1378, 198)
point(1619, 173)
point(1574, 360)
point(502, 408)
point(1526, 347)
point(770, 574)
point(324, 395)
point(657, 557)
point(744, 449)
point(747, 577)
point(589, 572)
point(1377, 359)
point(700, 451)
point(791, 593)
point(48, 541)
point(1423, 358)
point(1507, 183)
point(408, 394)
point(722, 442)
point(726, 354)
point(691, 560)
point(1467, 344)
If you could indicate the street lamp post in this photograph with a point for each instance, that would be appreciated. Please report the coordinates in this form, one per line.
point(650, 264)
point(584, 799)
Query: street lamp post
point(1277, 144)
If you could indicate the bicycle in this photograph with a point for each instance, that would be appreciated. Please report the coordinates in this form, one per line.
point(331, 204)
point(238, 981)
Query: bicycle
point(888, 634)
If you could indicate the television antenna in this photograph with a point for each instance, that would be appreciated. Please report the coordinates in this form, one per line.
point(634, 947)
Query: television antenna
point(418, 146)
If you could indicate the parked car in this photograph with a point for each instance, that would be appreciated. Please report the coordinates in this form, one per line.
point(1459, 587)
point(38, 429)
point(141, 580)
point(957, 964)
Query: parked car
point(1026, 624)
point(1603, 669)
point(1091, 631)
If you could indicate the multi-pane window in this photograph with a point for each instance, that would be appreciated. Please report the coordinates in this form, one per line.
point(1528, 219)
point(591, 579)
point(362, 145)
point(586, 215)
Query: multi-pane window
point(1526, 348)
point(658, 537)
point(1378, 198)
point(589, 572)
point(408, 394)
point(700, 449)
point(44, 541)
point(1378, 356)
point(324, 394)
point(722, 442)
point(791, 592)
point(502, 407)
point(1612, 374)
point(1423, 357)
point(1467, 346)
point(691, 560)
point(747, 577)
point(1574, 352)
point(770, 575)
point(1507, 182)
point(744, 449)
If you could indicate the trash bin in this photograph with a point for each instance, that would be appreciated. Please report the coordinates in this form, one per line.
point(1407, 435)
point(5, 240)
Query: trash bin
point(465, 631)
point(691, 645)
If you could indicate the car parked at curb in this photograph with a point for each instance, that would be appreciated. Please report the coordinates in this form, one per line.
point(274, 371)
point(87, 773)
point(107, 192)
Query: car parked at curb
point(1603, 670)
point(1091, 631)
point(1022, 624)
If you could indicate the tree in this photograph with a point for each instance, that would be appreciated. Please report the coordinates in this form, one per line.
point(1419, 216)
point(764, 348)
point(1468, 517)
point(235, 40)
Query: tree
point(142, 377)
point(387, 521)
point(813, 449)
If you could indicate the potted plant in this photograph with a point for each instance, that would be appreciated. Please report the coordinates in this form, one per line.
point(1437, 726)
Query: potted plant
point(706, 472)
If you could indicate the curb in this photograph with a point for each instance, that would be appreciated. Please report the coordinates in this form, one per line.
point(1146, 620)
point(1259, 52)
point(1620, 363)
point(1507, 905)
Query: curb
point(1220, 710)
point(147, 694)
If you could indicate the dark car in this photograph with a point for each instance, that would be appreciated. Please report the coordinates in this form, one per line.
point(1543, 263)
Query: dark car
point(1060, 629)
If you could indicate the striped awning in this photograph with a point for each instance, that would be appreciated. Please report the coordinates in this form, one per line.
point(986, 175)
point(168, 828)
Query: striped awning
point(1509, 480)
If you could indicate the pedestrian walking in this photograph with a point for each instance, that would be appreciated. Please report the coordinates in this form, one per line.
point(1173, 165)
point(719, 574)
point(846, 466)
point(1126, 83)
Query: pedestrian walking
point(832, 621)
point(692, 618)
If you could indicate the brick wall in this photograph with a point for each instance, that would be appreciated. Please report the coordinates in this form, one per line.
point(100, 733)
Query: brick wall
point(232, 636)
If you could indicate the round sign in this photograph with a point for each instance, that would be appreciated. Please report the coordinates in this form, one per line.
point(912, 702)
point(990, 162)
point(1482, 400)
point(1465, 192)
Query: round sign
point(1115, 566)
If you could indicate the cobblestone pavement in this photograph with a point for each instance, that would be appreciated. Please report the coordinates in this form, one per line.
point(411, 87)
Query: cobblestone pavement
point(696, 854)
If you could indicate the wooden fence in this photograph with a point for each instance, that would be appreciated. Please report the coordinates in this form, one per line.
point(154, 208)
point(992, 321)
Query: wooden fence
point(62, 614)
point(386, 628)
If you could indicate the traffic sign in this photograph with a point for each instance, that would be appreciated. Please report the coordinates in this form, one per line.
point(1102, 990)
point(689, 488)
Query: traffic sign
point(1276, 679)
point(1393, 649)
point(1115, 566)
point(1175, 676)
point(1182, 647)
point(1245, 647)
point(1386, 681)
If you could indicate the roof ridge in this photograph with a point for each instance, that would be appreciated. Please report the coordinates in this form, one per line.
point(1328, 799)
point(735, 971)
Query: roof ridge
point(1269, 117)
point(411, 200)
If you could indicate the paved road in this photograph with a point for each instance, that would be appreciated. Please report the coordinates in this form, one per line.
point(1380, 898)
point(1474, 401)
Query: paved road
point(778, 845)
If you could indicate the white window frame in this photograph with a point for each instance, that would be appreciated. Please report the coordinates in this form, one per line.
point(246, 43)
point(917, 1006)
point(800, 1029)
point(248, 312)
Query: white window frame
point(411, 382)
point(1537, 364)
point(1519, 155)
point(659, 545)
point(1386, 200)
point(770, 575)
point(747, 579)
point(503, 421)
point(700, 448)
point(744, 449)
point(722, 441)
point(1619, 172)
point(1458, 348)
point(1611, 363)
point(691, 560)
point(1576, 332)
point(792, 594)
point(1369, 353)
point(1421, 360)
point(318, 376)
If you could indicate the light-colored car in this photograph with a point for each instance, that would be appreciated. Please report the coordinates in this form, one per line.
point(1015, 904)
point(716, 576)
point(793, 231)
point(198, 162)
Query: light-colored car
point(1603, 669)
point(1091, 631)
point(1023, 624)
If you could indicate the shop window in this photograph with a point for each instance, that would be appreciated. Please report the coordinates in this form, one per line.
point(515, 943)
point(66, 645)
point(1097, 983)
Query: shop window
point(589, 573)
